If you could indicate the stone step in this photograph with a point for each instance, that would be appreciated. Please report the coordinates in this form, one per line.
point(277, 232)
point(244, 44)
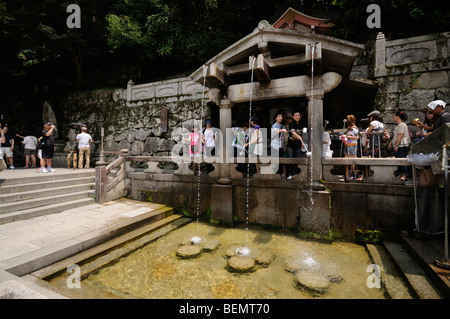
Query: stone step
point(44, 210)
point(414, 274)
point(41, 177)
point(425, 252)
point(49, 255)
point(40, 193)
point(43, 201)
point(94, 258)
point(8, 189)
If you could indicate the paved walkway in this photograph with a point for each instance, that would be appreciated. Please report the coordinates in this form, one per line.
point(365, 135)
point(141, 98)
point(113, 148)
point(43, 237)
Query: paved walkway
point(28, 245)
point(21, 172)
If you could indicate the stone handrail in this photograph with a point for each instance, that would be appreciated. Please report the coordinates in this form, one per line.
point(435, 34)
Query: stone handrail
point(109, 188)
point(381, 170)
point(184, 165)
point(175, 87)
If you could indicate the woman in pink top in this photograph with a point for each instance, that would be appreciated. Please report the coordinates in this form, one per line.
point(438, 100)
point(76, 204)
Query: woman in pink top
point(195, 147)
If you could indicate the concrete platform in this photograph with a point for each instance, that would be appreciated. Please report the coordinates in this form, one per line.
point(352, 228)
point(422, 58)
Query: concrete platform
point(28, 175)
point(29, 245)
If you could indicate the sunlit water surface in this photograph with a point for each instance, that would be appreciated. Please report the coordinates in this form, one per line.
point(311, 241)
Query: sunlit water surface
point(155, 270)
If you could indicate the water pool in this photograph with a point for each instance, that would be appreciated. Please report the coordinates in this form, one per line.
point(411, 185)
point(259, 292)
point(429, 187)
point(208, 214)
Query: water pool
point(155, 271)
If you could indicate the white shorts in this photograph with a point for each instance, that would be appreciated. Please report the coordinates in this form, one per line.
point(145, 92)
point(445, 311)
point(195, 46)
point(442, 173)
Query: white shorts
point(39, 153)
point(7, 151)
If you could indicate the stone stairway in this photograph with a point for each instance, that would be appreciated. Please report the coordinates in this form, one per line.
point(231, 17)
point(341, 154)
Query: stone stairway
point(42, 242)
point(35, 194)
point(416, 266)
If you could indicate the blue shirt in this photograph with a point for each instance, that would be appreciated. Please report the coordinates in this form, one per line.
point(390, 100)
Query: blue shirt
point(277, 138)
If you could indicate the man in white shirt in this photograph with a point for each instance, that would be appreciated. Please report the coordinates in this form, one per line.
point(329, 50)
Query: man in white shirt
point(84, 141)
point(30, 143)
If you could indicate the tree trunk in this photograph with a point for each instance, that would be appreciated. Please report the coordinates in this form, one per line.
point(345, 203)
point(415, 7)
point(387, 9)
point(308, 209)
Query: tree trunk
point(76, 58)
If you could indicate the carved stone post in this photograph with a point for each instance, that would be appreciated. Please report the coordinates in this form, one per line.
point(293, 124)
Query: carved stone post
point(129, 85)
point(225, 122)
point(222, 192)
point(100, 182)
point(315, 135)
point(380, 55)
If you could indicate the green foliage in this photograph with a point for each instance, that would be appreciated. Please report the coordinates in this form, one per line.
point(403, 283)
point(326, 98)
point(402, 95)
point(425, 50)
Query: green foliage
point(148, 40)
point(399, 19)
point(123, 31)
point(316, 236)
point(368, 236)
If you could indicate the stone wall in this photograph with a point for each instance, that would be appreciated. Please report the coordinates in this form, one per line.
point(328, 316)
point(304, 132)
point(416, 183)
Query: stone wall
point(131, 117)
point(409, 73)
point(270, 203)
point(370, 206)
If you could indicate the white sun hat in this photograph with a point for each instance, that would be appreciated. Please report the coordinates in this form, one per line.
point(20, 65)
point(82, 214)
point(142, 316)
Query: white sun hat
point(434, 104)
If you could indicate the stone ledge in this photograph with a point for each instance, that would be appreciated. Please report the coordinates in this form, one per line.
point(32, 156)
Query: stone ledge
point(13, 287)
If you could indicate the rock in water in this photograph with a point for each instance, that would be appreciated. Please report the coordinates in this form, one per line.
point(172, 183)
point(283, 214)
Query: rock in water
point(241, 264)
point(312, 281)
point(186, 241)
point(230, 252)
point(264, 259)
point(211, 245)
point(189, 251)
point(291, 266)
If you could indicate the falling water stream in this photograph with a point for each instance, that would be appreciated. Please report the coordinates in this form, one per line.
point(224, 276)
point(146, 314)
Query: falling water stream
point(244, 251)
point(197, 239)
point(311, 129)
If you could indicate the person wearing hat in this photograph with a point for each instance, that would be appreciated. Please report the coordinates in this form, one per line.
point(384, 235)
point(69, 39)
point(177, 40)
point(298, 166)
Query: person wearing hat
point(84, 141)
point(376, 128)
point(289, 119)
point(7, 145)
point(440, 115)
point(373, 113)
point(47, 144)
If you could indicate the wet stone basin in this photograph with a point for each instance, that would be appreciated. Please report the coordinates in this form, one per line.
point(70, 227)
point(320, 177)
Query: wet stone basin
point(285, 267)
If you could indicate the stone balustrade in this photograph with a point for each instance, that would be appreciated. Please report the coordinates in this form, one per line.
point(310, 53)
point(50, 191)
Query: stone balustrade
point(137, 94)
point(380, 170)
point(108, 185)
point(184, 166)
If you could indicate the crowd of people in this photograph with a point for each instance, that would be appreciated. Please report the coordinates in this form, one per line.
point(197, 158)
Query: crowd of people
point(375, 140)
point(41, 148)
point(288, 139)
